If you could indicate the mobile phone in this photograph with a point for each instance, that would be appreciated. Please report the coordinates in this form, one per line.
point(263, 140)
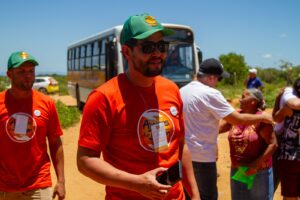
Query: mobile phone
point(171, 175)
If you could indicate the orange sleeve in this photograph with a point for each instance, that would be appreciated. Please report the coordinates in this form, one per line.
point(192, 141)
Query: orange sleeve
point(96, 122)
point(54, 127)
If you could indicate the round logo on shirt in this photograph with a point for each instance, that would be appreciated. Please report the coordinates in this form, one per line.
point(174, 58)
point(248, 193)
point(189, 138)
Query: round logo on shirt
point(37, 113)
point(155, 130)
point(173, 111)
point(21, 127)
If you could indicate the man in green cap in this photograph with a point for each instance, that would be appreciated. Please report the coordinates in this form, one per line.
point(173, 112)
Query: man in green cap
point(27, 118)
point(135, 120)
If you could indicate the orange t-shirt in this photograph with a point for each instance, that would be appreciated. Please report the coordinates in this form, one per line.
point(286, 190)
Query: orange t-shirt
point(121, 121)
point(24, 126)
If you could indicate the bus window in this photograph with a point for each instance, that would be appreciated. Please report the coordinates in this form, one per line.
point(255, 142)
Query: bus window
point(88, 58)
point(77, 59)
point(95, 57)
point(73, 59)
point(111, 60)
point(110, 38)
point(82, 58)
point(102, 54)
point(69, 59)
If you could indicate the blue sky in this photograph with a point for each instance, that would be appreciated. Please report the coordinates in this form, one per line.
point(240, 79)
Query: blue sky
point(263, 31)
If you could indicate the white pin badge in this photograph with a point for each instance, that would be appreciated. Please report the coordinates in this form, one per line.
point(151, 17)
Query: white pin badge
point(173, 110)
point(37, 113)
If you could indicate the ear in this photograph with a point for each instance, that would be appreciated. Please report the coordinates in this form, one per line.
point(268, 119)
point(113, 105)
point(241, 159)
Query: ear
point(9, 73)
point(211, 78)
point(126, 51)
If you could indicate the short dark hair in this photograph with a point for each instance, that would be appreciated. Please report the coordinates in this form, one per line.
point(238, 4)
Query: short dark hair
point(296, 86)
point(131, 42)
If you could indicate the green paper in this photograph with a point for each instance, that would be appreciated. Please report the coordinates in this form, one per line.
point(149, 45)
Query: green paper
point(241, 176)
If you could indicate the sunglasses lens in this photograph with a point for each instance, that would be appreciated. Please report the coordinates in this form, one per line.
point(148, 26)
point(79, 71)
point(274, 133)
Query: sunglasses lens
point(220, 78)
point(150, 47)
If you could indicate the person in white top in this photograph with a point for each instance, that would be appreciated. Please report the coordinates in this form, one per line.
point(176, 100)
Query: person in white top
point(203, 108)
point(287, 103)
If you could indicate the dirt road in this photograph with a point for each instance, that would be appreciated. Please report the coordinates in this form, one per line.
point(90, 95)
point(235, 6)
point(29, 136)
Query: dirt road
point(80, 187)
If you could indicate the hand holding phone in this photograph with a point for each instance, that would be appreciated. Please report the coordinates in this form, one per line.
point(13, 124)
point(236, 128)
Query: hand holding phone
point(171, 175)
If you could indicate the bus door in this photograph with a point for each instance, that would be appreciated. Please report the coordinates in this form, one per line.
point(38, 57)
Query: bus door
point(111, 60)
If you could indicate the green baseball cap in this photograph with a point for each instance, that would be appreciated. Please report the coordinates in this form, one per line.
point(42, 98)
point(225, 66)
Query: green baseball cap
point(142, 26)
point(16, 59)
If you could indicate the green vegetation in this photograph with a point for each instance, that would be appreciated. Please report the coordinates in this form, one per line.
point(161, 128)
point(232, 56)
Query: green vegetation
point(4, 82)
point(274, 79)
point(270, 91)
point(67, 115)
point(235, 65)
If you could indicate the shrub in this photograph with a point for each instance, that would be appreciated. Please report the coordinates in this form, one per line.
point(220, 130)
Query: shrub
point(4, 82)
point(67, 115)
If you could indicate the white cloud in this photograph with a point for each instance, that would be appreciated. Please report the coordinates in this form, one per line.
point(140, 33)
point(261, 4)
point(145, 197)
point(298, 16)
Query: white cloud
point(283, 35)
point(267, 56)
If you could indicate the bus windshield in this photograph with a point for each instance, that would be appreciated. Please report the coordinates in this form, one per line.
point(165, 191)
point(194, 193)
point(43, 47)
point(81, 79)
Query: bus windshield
point(179, 65)
point(180, 62)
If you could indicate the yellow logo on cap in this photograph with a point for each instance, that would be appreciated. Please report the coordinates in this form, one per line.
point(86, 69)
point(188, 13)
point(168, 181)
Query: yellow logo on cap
point(151, 21)
point(24, 55)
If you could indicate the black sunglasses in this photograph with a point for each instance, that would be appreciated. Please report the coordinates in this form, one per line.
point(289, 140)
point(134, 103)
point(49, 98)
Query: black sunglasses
point(149, 47)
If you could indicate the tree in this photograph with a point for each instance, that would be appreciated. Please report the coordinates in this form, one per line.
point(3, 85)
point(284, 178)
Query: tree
point(289, 72)
point(235, 65)
point(271, 75)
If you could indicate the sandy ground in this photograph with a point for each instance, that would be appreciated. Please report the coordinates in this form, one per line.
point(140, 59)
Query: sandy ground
point(79, 187)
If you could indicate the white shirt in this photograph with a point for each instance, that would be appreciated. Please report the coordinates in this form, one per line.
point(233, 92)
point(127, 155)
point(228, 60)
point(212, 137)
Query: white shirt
point(203, 107)
point(286, 96)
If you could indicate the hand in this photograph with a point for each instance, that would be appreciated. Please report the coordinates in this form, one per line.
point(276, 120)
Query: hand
point(236, 137)
point(251, 171)
point(256, 165)
point(59, 190)
point(150, 188)
point(267, 118)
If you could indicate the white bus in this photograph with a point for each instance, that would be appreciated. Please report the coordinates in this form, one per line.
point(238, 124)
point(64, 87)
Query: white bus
point(96, 59)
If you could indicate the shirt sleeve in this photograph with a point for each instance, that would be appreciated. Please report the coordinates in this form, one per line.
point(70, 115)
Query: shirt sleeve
point(96, 122)
point(54, 127)
point(259, 83)
point(218, 105)
point(287, 95)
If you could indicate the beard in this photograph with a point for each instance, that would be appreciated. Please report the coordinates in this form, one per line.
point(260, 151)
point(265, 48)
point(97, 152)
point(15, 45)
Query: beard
point(23, 85)
point(147, 70)
point(27, 87)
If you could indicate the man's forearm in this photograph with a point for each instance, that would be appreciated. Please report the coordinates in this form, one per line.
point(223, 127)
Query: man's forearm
point(189, 180)
point(102, 172)
point(57, 156)
point(236, 118)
